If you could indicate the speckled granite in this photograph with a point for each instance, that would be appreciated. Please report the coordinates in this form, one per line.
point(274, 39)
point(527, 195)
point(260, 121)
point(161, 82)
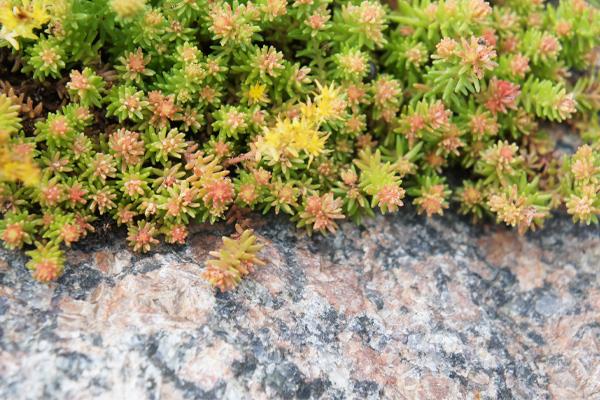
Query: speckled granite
point(403, 309)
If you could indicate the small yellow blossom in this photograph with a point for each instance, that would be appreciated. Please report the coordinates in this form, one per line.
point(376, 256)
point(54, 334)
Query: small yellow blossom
point(290, 137)
point(257, 94)
point(329, 103)
point(21, 18)
point(310, 112)
point(311, 141)
point(16, 161)
point(12, 169)
point(127, 8)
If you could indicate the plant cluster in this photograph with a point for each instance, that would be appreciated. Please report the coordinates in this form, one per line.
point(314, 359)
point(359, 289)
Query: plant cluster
point(194, 110)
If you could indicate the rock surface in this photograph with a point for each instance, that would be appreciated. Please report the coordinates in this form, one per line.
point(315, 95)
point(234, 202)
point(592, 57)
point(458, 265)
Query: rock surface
point(404, 308)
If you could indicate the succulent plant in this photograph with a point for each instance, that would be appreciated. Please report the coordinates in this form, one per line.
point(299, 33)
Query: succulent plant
point(175, 112)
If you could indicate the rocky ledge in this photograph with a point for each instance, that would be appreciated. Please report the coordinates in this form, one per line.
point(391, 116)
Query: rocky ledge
point(403, 308)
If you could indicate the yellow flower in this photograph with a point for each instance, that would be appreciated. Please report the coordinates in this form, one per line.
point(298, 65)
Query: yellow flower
point(22, 170)
point(310, 112)
point(329, 103)
point(127, 8)
point(290, 137)
point(257, 94)
point(277, 141)
point(309, 140)
point(16, 166)
point(21, 19)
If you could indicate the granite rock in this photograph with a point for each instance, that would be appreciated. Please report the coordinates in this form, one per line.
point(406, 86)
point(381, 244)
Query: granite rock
point(402, 308)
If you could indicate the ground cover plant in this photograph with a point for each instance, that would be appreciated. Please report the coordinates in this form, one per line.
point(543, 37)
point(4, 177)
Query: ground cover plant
point(160, 113)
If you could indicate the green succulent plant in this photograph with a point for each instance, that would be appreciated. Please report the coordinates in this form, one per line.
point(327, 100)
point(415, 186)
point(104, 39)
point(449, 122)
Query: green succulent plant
point(174, 112)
